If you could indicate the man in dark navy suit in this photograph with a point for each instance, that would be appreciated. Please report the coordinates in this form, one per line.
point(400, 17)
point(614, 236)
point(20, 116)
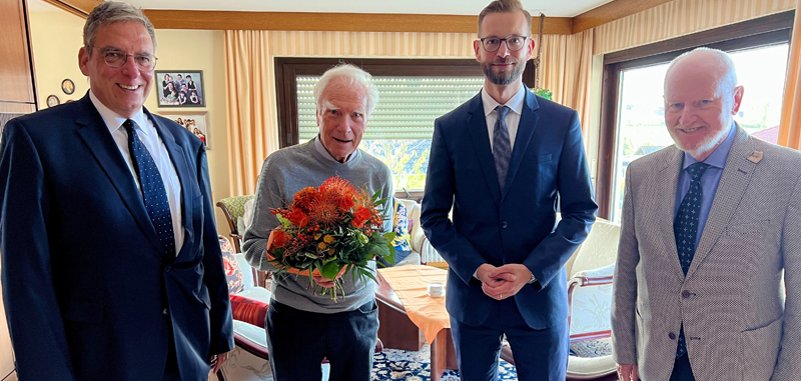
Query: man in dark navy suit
point(503, 162)
point(111, 264)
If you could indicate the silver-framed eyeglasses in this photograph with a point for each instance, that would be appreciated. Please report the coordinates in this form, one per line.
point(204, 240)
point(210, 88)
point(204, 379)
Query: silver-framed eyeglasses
point(513, 43)
point(117, 58)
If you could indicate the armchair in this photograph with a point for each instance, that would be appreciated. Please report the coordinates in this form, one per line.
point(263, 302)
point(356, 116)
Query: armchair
point(234, 210)
point(421, 248)
point(249, 303)
point(590, 271)
point(590, 302)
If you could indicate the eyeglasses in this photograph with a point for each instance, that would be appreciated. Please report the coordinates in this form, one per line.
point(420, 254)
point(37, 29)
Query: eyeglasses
point(513, 43)
point(117, 59)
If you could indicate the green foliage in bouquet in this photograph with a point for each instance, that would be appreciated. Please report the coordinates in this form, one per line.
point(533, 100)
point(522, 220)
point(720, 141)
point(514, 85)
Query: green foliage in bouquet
point(330, 231)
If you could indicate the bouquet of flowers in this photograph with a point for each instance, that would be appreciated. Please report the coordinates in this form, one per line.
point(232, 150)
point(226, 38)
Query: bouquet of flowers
point(329, 231)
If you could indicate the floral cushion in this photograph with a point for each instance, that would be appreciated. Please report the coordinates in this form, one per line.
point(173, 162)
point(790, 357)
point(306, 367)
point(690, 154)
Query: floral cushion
point(233, 275)
point(402, 227)
point(236, 206)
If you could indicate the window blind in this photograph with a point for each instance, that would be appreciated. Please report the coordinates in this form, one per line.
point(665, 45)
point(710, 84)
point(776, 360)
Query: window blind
point(406, 109)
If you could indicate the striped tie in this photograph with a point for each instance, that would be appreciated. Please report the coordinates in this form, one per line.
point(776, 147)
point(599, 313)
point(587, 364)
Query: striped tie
point(501, 147)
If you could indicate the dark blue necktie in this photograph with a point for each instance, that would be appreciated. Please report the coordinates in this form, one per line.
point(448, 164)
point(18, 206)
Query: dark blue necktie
point(685, 227)
point(153, 192)
point(501, 146)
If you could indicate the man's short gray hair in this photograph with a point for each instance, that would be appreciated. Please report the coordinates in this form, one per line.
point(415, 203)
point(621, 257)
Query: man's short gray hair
point(109, 12)
point(352, 76)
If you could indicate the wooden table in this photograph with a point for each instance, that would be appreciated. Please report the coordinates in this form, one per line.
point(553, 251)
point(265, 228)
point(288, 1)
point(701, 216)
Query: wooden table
point(397, 331)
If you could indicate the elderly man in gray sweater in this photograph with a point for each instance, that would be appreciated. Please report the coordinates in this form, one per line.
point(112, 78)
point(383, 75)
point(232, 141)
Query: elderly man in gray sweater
point(304, 326)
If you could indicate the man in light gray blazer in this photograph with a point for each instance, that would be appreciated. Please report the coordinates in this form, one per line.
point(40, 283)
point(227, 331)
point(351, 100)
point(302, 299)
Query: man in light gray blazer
point(710, 225)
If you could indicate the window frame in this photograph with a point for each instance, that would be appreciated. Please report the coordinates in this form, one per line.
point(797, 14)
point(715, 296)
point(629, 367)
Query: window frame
point(762, 31)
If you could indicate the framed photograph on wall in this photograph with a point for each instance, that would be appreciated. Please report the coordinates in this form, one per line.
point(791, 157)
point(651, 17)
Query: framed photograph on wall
point(194, 122)
point(178, 88)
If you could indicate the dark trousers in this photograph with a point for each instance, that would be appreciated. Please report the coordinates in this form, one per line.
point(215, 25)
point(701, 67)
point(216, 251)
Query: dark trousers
point(682, 370)
point(540, 355)
point(299, 340)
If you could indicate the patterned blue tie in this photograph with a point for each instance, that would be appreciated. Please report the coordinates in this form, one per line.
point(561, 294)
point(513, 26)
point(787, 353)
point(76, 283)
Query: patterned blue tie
point(153, 192)
point(501, 147)
point(685, 227)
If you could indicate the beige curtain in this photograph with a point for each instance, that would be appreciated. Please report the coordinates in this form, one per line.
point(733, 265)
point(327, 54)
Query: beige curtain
point(680, 17)
point(566, 68)
point(250, 98)
point(790, 127)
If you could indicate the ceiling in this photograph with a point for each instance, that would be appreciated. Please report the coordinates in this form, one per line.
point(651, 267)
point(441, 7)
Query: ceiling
point(561, 8)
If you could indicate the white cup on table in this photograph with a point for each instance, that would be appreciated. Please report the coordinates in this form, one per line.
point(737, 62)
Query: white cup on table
point(436, 290)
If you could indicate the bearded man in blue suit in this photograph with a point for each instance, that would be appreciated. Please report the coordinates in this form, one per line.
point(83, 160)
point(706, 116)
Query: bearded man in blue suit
point(111, 265)
point(503, 162)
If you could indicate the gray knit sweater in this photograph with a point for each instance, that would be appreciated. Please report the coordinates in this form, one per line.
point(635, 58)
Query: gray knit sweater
point(283, 174)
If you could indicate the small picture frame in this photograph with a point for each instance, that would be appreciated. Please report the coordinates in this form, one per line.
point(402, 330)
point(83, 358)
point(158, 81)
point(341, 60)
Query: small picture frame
point(52, 100)
point(67, 86)
point(180, 88)
point(194, 122)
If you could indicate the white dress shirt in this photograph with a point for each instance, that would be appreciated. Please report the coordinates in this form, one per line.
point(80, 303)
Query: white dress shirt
point(150, 138)
point(515, 104)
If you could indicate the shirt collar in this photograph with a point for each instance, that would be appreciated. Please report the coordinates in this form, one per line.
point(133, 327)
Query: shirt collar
point(114, 121)
point(318, 145)
point(515, 103)
point(718, 157)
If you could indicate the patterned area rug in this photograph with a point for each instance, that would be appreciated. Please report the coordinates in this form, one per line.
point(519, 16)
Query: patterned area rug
point(393, 364)
point(592, 348)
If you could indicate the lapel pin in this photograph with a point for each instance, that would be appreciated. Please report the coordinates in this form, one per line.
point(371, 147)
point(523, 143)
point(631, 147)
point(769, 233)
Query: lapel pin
point(755, 157)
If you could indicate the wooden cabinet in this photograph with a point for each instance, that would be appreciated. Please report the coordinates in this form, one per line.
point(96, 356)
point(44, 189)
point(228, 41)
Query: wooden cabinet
point(17, 94)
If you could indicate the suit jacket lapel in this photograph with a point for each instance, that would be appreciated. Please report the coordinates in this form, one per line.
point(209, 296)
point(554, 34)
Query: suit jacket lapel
point(666, 180)
point(525, 130)
point(733, 183)
point(179, 162)
point(99, 142)
point(477, 125)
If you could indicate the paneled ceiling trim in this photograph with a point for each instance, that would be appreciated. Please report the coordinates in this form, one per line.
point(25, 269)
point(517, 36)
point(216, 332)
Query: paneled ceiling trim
point(349, 22)
point(76, 7)
point(361, 22)
point(611, 11)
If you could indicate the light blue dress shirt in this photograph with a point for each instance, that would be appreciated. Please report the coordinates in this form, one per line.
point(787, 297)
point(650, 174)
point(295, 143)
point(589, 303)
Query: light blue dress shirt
point(709, 180)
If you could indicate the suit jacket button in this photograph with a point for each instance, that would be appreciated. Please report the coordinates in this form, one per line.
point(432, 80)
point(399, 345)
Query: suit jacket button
point(685, 294)
point(672, 336)
point(164, 312)
point(504, 225)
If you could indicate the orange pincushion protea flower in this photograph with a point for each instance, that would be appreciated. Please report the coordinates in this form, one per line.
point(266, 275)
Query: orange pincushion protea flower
point(329, 231)
point(326, 212)
point(304, 199)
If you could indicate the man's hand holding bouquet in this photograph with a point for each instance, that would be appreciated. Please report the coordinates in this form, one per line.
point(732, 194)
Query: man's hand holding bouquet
point(328, 232)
